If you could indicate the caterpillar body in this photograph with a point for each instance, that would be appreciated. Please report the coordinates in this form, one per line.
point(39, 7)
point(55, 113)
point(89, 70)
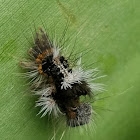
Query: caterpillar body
point(58, 85)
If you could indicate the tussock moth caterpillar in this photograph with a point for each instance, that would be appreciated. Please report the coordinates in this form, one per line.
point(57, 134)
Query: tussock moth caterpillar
point(58, 85)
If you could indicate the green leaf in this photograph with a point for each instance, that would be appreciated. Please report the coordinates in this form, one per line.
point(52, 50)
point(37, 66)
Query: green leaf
point(110, 28)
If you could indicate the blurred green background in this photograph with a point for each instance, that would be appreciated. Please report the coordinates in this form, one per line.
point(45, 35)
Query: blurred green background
point(111, 28)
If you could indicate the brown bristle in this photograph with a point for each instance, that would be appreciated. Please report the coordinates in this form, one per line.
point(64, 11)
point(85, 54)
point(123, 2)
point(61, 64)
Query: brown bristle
point(71, 114)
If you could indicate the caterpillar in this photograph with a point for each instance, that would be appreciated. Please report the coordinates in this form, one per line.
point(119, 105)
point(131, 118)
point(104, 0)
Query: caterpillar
point(59, 85)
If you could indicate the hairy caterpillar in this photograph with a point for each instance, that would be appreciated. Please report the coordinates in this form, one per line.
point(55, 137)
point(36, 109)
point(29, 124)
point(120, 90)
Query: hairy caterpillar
point(59, 85)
